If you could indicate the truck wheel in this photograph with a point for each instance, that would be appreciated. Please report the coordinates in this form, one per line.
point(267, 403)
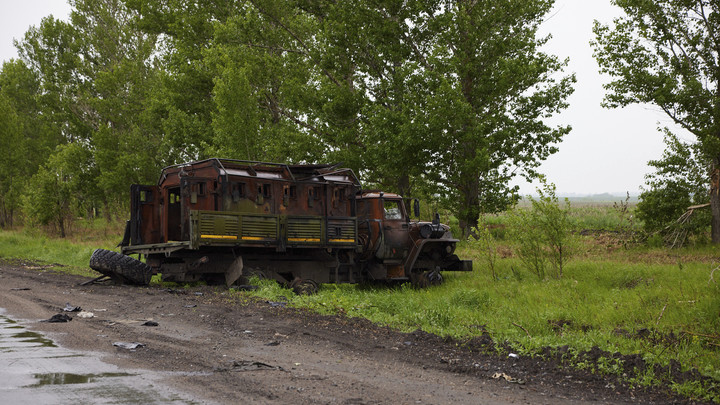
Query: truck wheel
point(434, 277)
point(304, 287)
point(426, 279)
point(120, 268)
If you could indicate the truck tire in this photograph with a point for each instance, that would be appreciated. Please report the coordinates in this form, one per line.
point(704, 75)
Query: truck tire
point(120, 268)
point(304, 286)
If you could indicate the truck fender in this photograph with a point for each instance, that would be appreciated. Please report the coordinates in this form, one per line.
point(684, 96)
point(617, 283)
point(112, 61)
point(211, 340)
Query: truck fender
point(234, 271)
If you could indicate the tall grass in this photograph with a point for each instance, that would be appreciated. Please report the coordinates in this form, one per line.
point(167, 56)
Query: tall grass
point(73, 252)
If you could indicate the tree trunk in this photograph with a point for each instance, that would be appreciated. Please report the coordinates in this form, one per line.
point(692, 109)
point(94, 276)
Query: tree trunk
point(61, 225)
point(715, 203)
point(470, 208)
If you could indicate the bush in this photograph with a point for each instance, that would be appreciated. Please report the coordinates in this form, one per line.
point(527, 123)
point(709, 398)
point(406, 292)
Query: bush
point(484, 242)
point(542, 233)
point(680, 180)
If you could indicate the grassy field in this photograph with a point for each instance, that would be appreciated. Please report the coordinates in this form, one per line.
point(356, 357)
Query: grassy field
point(616, 294)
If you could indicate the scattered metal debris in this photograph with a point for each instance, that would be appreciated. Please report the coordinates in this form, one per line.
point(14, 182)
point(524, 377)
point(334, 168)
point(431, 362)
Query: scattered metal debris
point(59, 318)
point(507, 378)
point(96, 279)
point(128, 345)
point(150, 323)
point(247, 365)
point(277, 304)
point(70, 308)
point(20, 289)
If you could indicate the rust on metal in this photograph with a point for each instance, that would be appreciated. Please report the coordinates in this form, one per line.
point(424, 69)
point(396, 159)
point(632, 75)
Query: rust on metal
point(286, 222)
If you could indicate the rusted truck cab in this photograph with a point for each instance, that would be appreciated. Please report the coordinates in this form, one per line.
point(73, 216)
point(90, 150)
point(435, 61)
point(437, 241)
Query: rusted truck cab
point(398, 248)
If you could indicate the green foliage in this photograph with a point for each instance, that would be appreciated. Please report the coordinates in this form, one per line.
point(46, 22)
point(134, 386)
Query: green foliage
point(27, 132)
point(56, 192)
point(680, 181)
point(663, 53)
point(410, 104)
point(10, 162)
point(484, 242)
point(490, 120)
point(542, 233)
point(95, 77)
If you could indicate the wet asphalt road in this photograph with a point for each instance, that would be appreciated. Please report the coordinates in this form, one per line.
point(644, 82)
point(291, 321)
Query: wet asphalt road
point(34, 370)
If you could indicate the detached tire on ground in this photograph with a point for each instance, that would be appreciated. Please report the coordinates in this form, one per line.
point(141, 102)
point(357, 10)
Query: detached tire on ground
point(120, 268)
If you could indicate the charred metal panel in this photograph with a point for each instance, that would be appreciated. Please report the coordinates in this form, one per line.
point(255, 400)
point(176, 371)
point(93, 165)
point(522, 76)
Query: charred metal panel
point(259, 228)
point(342, 231)
point(217, 225)
point(303, 230)
point(145, 215)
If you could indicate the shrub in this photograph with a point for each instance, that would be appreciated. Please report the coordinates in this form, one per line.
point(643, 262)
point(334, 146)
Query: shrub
point(680, 180)
point(542, 233)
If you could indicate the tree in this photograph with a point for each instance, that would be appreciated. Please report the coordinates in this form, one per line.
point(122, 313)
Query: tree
point(665, 53)
point(496, 90)
point(263, 84)
point(29, 136)
point(182, 104)
point(442, 99)
point(55, 193)
point(96, 77)
point(10, 161)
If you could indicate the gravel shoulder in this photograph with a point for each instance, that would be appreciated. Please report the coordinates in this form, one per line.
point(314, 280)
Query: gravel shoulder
point(217, 350)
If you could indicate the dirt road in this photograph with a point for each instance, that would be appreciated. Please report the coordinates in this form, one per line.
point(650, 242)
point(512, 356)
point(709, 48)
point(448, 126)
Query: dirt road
point(219, 351)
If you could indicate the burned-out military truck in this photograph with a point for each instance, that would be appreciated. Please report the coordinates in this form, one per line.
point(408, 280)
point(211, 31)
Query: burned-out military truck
point(302, 225)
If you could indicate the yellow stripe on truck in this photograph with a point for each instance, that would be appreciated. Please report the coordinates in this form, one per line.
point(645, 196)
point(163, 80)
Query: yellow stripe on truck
point(218, 237)
point(303, 239)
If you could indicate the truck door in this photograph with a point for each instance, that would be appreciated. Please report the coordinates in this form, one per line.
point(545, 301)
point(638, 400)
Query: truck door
point(144, 215)
point(396, 238)
point(174, 214)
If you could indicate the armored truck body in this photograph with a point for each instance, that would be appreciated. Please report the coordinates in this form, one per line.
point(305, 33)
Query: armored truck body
point(222, 219)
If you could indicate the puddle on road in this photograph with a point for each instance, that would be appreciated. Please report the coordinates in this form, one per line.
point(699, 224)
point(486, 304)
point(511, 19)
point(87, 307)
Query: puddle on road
point(32, 337)
point(36, 370)
point(70, 378)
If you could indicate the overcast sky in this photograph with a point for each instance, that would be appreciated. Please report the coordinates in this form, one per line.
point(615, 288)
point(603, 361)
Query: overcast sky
point(607, 151)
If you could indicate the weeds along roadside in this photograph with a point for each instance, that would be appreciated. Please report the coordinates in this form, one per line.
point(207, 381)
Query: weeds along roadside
point(660, 305)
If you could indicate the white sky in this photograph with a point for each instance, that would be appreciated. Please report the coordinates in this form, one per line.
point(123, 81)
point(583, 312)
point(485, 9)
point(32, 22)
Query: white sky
point(607, 151)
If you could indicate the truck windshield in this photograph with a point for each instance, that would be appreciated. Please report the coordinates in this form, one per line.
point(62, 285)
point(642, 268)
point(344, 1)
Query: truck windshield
point(392, 209)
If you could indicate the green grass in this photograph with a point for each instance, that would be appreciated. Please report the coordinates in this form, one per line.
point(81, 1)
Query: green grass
point(598, 303)
point(607, 295)
point(72, 254)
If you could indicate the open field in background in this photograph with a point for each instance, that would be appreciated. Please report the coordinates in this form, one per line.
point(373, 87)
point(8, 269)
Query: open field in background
point(615, 296)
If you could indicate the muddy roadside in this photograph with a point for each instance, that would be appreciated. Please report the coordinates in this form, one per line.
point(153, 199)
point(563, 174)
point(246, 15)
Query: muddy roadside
point(220, 351)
